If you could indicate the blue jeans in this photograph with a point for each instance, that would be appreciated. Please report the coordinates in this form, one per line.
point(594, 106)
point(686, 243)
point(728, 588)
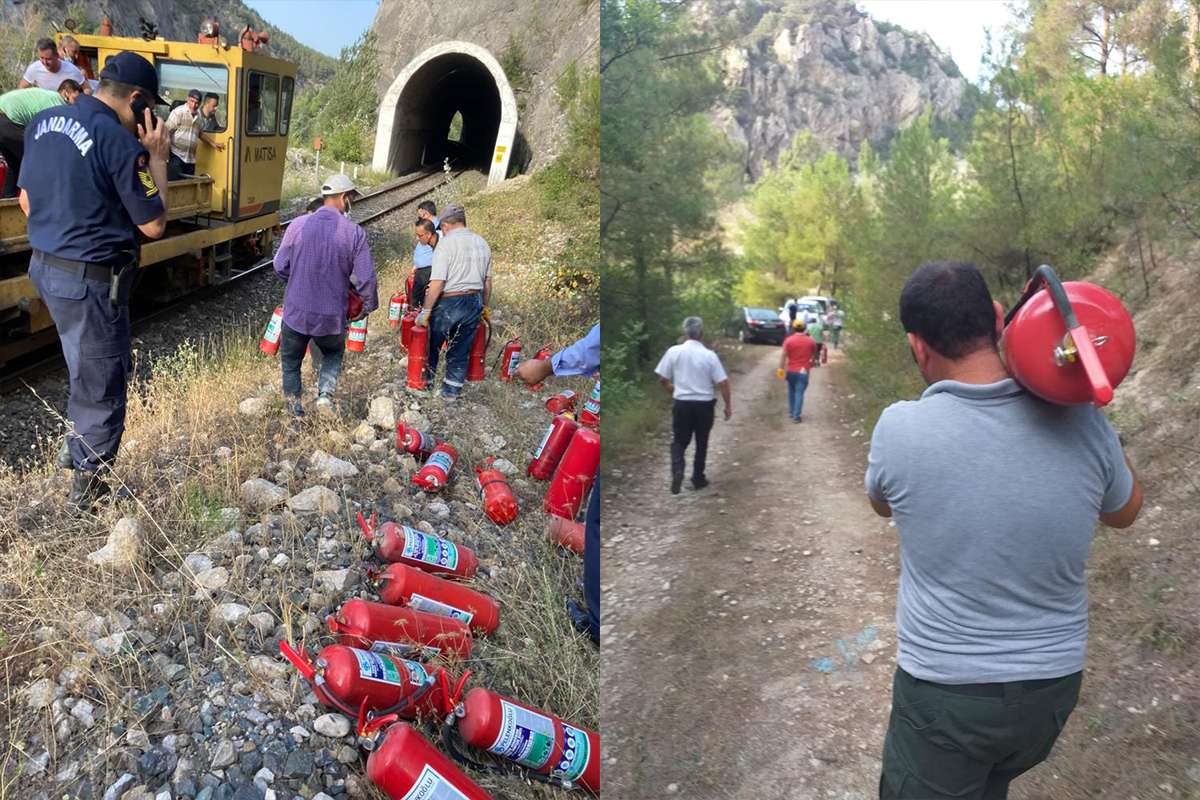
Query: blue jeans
point(292, 346)
point(454, 320)
point(95, 342)
point(797, 383)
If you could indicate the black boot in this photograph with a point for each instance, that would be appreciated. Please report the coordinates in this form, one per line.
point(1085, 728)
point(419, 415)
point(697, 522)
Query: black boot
point(63, 458)
point(676, 482)
point(579, 618)
point(86, 489)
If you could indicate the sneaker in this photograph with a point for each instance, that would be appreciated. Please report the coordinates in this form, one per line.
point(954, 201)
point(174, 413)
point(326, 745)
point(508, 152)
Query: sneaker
point(676, 483)
point(295, 407)
point(86, 489)
point(324, 404)
point(699, 482)
point(449, 398)
point(795, 419)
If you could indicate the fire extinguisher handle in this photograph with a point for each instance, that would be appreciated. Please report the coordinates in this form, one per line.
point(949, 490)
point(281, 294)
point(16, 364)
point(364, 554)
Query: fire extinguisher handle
point(1102, 390)
point(1045, 275)
point(298, 659)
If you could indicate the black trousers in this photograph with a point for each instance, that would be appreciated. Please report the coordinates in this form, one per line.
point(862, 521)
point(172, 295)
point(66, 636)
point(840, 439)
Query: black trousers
point(420, 284)
point(968, 742)
point(691, 418)
point(12, 148)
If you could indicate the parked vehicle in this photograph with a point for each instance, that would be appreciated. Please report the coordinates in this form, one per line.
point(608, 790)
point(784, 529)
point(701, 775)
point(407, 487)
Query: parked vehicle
point(759, 325)
point(807, 310)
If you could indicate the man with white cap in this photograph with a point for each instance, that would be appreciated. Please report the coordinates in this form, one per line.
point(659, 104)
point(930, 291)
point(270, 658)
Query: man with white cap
point(323, 257)
point(460, 284)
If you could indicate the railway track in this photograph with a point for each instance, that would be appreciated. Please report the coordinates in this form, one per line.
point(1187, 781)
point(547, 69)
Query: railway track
point(379, 202)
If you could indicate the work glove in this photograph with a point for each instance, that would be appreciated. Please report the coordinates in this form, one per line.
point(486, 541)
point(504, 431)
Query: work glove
point(779, 373)
point(487, 314)
point(423, 318)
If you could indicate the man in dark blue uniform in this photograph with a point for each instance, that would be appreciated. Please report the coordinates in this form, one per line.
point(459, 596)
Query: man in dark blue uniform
point(93, 176)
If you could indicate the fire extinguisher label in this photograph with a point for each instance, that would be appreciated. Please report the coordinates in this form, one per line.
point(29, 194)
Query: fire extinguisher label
point(538, 453)
point(374, 667)
point(513, 360)
point(575, 754)
point(405, 650)
point(420, 546)
point(274, 328)
point(430, 785)
point(592, 406)
point(393, 311)
point(526, 737)
point(427, 441)
point(431, 606)
point(442, 460)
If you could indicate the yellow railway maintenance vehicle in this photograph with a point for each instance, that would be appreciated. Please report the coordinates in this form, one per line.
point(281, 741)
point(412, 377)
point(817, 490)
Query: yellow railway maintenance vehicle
point(221, 222)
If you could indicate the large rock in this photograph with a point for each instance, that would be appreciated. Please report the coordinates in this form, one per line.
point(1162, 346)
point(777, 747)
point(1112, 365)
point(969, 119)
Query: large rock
point(260, 494)
point(39, 694)
point(837, 75)
point(382, 413)
point(335, 726)
point(254, 406)
point(267, 669)
point(231, 613)
point(315, 500)
point(331, 467)
point(335, 580)
point(213, 579)
point(124, 546)
point(364, 434)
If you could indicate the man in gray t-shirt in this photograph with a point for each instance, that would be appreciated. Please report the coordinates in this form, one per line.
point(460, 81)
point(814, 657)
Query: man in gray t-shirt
point(995, 496)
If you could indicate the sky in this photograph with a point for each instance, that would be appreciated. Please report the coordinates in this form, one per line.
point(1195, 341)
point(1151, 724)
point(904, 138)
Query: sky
point(322, 25)
point(957, 26)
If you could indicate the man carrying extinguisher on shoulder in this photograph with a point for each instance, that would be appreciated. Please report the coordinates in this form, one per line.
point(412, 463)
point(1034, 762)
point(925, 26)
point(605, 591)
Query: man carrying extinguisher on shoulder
point(581, 358)
point(996, 495)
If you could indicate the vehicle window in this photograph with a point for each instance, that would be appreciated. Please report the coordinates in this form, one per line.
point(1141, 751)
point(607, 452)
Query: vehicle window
point(763, 314)
point(285, 106)
point(176, 79)
point(262, 104)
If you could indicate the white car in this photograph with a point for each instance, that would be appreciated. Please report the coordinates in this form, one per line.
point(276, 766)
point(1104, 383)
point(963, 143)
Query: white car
point(807, 309)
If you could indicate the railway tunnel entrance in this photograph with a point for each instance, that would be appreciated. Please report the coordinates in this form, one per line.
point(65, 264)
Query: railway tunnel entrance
point(455, 82)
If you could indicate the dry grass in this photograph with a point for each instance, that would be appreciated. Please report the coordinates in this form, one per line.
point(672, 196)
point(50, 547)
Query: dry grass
point(179, 417)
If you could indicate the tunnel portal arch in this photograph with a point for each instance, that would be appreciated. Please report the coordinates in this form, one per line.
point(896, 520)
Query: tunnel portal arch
point(416, 111)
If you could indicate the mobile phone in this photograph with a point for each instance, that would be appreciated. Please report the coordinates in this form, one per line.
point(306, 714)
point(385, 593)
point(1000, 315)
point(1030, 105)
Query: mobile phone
point(138, 107)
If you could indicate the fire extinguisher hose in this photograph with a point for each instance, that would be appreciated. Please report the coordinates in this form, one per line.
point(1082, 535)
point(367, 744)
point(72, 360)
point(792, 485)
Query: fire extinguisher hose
point(1045, 275)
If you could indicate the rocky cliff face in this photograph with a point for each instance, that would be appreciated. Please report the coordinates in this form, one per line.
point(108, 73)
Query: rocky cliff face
point(534, 41)
point(832, 71)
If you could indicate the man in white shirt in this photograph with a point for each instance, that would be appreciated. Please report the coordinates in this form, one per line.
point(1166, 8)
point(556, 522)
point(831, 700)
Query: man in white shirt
point(49, 71)
point(183, 125)
point(691, 372)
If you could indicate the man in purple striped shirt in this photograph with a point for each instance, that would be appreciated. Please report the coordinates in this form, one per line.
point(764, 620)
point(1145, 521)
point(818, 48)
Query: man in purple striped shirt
point(323, 257)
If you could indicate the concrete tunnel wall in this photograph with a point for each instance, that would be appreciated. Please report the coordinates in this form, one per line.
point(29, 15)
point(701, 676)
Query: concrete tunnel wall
point(415, 114)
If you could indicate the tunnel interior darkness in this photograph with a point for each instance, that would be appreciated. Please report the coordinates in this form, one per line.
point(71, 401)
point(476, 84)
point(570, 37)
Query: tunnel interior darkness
point(446, 84)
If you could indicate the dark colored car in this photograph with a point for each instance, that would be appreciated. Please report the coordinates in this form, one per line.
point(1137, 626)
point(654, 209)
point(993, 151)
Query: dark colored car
point(759, 325)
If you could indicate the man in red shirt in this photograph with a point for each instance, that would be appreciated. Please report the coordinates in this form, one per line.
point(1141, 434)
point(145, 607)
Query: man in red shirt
point(794, 361)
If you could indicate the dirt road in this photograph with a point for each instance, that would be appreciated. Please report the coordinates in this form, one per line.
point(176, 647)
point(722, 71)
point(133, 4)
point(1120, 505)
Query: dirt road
point(749, 634)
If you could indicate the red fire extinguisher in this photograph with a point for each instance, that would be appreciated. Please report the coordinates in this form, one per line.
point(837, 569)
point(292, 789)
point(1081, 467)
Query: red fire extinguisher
point(407, 767)
point(1068, 343)
point(397, 305)
point(405, 545)
point(479, 346)
point(590, 415)
point(418, 355)
point(540, 355)
point(270, 337)
point(407, 321)
point(565, 533)
point(408, 284)
point(553, 445)
point(574, 475)
point(356, 336)
point(436, 472)
point(400, 584)
point(411, 440)
point(561, 402)
point(542, 742)
point(347, 679)
point(400, 631)
point(499, 503)
point(510, 357)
